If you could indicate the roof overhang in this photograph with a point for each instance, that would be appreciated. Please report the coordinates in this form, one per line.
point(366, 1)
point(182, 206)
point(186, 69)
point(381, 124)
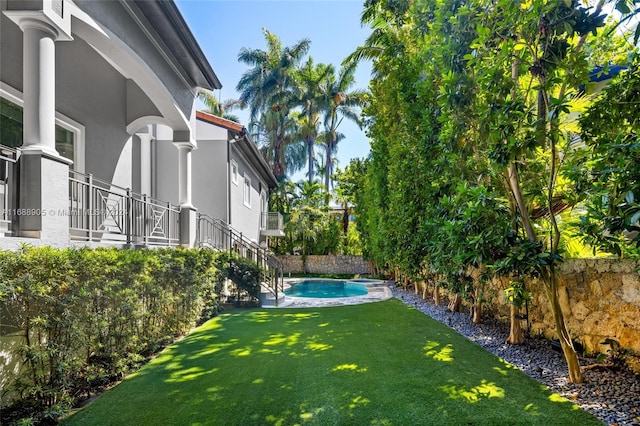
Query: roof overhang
point(166, 19)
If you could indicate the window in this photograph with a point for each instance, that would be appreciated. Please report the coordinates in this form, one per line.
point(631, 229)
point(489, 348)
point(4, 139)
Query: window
point(10, 124)
point(247, 191)
point(68, 133)
point(234, 172)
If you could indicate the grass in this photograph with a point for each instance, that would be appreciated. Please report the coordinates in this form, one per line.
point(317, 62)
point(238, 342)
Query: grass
point(379, 363)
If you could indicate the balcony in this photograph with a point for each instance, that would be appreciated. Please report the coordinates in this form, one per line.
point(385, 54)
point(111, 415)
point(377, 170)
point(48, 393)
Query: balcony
point(106, 213)
point(271, 224)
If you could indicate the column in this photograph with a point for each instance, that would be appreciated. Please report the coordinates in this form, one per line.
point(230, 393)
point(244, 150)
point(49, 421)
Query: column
point(145, 162)
point(184, 173)
point(39, 86)
point(43, 201)
point(188, 219)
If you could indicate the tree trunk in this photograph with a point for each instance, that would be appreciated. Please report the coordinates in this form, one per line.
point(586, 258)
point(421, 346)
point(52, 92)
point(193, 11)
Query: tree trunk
point(570, 355)
point(310, 158)
point(329, 166)
point(516, 336)
point(345, 219)
point(425, 292)
point(436, 295)
point(477, 307)
point(514, 183)
point(455, 303)
point(278, 169)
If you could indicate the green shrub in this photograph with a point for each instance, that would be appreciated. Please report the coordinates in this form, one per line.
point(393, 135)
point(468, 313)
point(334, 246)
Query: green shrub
point(89, 317)
point(244, 273)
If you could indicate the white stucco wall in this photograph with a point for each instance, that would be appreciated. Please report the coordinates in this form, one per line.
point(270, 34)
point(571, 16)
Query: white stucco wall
point(243, 218)
point(210, 171)
point(164, 179)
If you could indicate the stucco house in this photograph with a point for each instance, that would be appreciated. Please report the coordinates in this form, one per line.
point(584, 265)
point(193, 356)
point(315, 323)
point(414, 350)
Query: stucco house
point(231, 159)
point(100, 134)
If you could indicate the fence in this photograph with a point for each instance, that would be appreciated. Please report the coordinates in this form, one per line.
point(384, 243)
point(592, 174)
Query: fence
point(102, 212)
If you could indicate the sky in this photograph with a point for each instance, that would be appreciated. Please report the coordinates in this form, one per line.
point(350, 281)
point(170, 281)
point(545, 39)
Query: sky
point(223, 27)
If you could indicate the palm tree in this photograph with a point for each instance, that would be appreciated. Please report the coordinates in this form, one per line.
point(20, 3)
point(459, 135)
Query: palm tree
point(216, 107)
point(267, 88)
point(386, 19)
point(281, 145)
point(308, 207)
point(342, 104)
point(312, 96)
point(321, 162)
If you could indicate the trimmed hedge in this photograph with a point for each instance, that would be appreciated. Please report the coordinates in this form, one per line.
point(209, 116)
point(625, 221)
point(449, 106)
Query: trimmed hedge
point(87, 317)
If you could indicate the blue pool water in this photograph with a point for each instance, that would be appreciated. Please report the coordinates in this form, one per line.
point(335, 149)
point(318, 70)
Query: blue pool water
point(325, 289)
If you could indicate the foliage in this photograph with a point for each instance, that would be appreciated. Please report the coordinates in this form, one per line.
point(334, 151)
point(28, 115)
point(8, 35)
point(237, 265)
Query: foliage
point(267, 88)
point(86, 318)
point(517, 294)
point(471, 132)
point(608, 168)
point(297, 105)
point(349, 192)
point(220, 108)
point(615, 355)
point(351, 244)
point(309, 226)
point(244, 273)
point(340, 103)
point(310, 93)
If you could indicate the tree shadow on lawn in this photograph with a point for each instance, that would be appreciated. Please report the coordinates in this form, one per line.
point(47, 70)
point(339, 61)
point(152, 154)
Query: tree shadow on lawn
point(376, 363)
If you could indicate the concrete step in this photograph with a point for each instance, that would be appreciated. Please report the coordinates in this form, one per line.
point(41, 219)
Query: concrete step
point(269, 299)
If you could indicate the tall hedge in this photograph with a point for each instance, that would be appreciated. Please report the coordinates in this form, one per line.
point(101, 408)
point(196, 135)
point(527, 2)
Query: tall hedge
point(88, 317)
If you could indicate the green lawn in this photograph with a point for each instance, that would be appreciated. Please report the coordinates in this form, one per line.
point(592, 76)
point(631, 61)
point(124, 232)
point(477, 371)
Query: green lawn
point(379, 363)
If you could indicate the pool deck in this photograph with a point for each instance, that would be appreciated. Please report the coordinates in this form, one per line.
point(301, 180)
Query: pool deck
point(377, 291)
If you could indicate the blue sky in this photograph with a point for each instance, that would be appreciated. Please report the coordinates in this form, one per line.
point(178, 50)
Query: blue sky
point(223, 27)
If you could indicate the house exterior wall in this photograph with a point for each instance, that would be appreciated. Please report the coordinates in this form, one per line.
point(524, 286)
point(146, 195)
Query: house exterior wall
point(10, 47)
point(93, 93)
point(210, 188)
point(246, 219)
point(211, 171)
point(165, 176)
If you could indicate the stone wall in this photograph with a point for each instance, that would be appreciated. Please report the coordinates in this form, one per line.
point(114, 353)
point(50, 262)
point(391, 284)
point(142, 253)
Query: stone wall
point(331, 264)
point(599, 297)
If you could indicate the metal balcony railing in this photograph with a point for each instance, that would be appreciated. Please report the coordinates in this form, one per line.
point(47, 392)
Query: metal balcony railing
point(8, 158)
point(102, 212)
point(271, 221)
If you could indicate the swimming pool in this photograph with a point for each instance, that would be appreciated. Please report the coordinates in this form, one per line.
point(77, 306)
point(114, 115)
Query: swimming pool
point(325, 289)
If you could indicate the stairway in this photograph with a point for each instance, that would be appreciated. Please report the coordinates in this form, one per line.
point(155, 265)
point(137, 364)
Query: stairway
point(216, 234)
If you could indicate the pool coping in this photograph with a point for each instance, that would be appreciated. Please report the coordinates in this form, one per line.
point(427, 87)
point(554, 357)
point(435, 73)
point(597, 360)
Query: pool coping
point(377, 291)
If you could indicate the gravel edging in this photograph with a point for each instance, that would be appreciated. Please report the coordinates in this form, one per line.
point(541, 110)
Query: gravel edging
point(613, 397)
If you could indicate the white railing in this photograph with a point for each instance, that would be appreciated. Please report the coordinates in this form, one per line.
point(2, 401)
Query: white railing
point(8, 158)
point(271, 221)
point(102, 212)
